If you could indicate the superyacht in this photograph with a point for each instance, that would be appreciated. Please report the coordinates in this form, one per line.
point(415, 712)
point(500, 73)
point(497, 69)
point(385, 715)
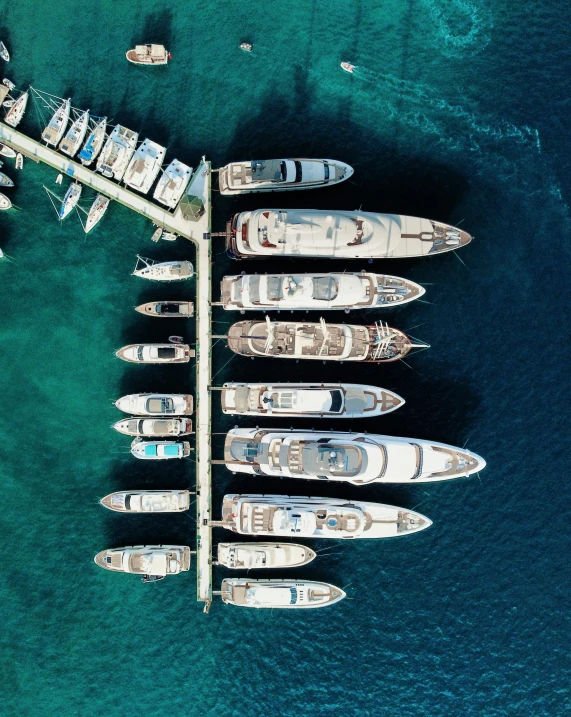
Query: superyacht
point(156, 404)
point(258, 556)
point(75, 135)
point(117, 152)
point(70, 199)
point(16, 112)
point(160, 427)
point(151, 562)
point(144, 166)
point(279, 593)
point(172, 184)
point(93, 143)
point(147, 501)
point(53, 133)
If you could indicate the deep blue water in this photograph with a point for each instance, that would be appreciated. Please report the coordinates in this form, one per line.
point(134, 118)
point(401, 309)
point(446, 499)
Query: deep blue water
point(458, 111)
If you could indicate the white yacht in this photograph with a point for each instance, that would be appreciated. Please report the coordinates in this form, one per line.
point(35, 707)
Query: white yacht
point(154, 427)
point(116, 152)
point(16, 112)
point(144, 166)
point(5, 203)
point(5, 180)
point(70, 199)
point(148, 55)
point(4, 54)
point(156, 353)
point(308, 400)
point(257, 556)
point(156, 404)
point(147, 501)
point(159, 450)
point(6, 151)
point(152, 562)
point(163, 271)
point(278, 175)
point(279, 593)
point(75, 134)
point(167, 309)
point(93, 143)
point(172, 184)
point(351, 290)
point(338, 235)
point(306, 517)
point(356, 458)
point(319, 341)
point(96, 212)
point(56, 126)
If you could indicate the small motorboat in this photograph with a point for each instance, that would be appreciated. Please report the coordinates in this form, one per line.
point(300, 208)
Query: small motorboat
point(7, 151)
point(96, 212)
point(348, 67)
point(148, 55)
point(156, 353)
point(4, 54)
point(157, 234)
point(59, 179)
point(5, 203)
point(246, 46)
point(152, 562)
point(156, 404)
point(93, 143)
point(169, 236)
point(8, 103)
point(1, 254)
point(16, 112)
point(163, 271)
point(70, 200)
point(147, 501)
point(256, 556)
point(159, 450)
point(19, 161)
point(176, 339)
point(279, 593)
point(167, 309)
point(7, 83)
point(5, 181)
point(154, 427)
point(75, 135)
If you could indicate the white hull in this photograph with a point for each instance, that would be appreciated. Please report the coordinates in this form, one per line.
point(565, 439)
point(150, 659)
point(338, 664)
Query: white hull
point(155, 353)
point(144, 166)
point(287, 594)
point(5, 181)
point(156, 404)
point(148, 55)
point(117, 152)
point(96, 212)
point(258, 556)
point(147, 501)
point(5, 203)
point(172, 184)
point(93, 143)
point(56, 126)
point(75, 135)
point(16, 112)
point(6, 151)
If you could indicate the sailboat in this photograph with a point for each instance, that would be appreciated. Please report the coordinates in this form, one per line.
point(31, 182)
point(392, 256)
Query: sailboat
point(56, 126)
point(5, 203)
point(75, 134)
point(94, 143)
point(19, 164)
point(16, 112)
point(96, 212)
point(70, 200)
point(4, 54)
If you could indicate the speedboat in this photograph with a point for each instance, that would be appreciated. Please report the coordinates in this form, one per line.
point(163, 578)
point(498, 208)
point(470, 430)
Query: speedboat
point(8, 103)
point(277, 175)
point(56, 126)
point(357, 290)
point(116, 153)
point(159, 450)
point(279, 593)
point(93, 143)
point(163, 271)
point(156, 353)
point(172, 184)
point(16, 112)
point(75, 134)
point(4, 54)
point(147, 501)
point(5, 181)
point(96, 212)
point(6, 151)
point(9, 84)
point(5, 203)
point(70, 199)
point(306, 517)
point(356, 458)
point(156, 404)
point(167, 309)
point(154, 426)
point(258, 556)
point(338, 234)
point(19, 164)
point(308, 400)
point(148, 55)
point(246, 46)
point(348, 67)
point(319, 341)
point(152, 562)
point(144, 166)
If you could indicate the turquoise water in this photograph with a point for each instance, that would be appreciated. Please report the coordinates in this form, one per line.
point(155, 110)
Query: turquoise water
point(458, 111)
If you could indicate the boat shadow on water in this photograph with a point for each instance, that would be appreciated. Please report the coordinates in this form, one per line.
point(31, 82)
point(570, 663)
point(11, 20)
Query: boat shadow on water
point(155, 27)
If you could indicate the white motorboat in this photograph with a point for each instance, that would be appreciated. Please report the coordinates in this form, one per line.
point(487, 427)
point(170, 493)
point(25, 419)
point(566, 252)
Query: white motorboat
point(93, 143)
point(8, 103)
point(258, 556)
point(75, 135)
point(167, 309)
point(55, 129)
point(5, 181)
point(338, 234)
point(156, 353)
point(5, 203)
point(59, 178)
point(163, 271)
point(96, 212)
point(308, 400)
point(117, 152)
point(147, 501)
point(4, 54)
point(307, 517)
point(153, 427)
point(144, 166)
point(70, 199)
point(19, 164)
point(351, 290)
point(348, 67)
point(152, 562)
point(148, 55)
point(16, 112)
point(6, 151)
point(172, 184)
point(279, 593)
point(9, 84)
point(278, 175)
point(159, 450)
point(246, 46)
point(156, 404)
point(356, 458)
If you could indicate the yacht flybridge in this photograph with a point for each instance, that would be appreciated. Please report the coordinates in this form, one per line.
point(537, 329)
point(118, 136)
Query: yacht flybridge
point(147, 501)
point(357, 290)
point(172, 184)
point(116, 153)
point(357, 458)
point(319, 341)
point(305, 517)
point(311, 400)
point(75, 135)
point(338, 235)
point(144, 166)
point(156, 353)
point(156, 404)
point(152, 562)
point(277, 175)
point(257, 556)
point(161, 427)
point(56, 126)
point(279, 593)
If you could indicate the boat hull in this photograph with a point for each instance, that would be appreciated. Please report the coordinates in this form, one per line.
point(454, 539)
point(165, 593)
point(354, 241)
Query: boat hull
point(166, 404)
point(163, 427)
point(167, 309)
point(147, 501)
point(237, 556)
point(129, 353)
point(284, 594)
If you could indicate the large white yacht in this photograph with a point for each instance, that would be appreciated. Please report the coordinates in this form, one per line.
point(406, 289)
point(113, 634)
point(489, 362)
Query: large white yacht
point(147, 501)
point(278, 175)
point(16, 112)
point(116, 152)
point(338, 235)
point(155, 353)
point(144, 166)
point(308, 400)
point(257, 556)
point(152, 562)
point(93, 143)
point(307, 517)
point(279, 593)
point(357, 458)
point(319, 341)
point(172, 184)
point(156, 404)
point(56, 126)
point(357, 290)
point(75, 134)
point(161, 427)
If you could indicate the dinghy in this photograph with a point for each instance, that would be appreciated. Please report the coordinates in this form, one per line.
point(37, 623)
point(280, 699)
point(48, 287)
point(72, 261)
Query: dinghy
point(7, 151)
point(151, 562)
point(4, 54)
point(154, 427)
point(75, 134)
